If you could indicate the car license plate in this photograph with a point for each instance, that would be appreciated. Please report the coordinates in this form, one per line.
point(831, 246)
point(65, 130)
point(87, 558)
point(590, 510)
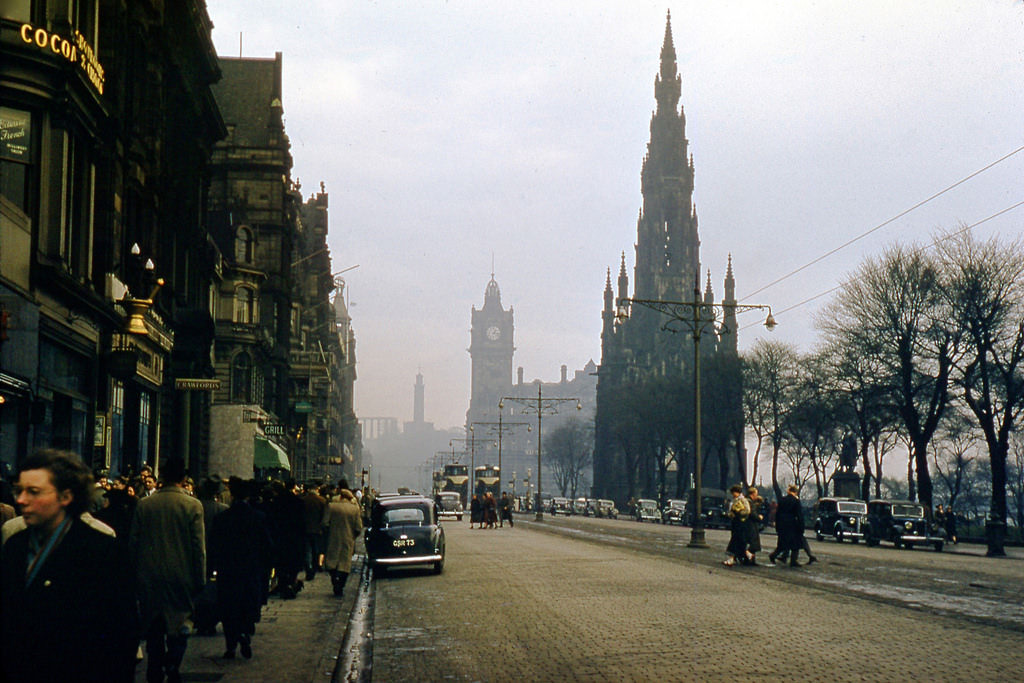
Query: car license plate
point(403, 542)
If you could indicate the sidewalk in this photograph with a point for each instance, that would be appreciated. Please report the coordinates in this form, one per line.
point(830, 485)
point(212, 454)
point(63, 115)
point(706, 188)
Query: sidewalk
point(296, 640)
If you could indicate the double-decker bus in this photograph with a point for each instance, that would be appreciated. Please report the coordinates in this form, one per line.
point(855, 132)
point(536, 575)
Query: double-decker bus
point(456, 478)
point(487, 479)
point(436, 482)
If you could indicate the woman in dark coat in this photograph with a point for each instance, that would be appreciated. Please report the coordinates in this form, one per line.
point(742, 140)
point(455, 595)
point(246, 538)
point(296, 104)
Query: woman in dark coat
point(240, 554)
point(475, 512)
point(739, 512)
point(789, 523)
point(754, 524)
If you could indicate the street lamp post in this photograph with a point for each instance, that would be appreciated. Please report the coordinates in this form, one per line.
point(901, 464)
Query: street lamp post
point(539, 405)
point(695, 315)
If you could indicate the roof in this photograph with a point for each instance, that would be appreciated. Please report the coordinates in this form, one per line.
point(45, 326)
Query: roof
point(248, 94)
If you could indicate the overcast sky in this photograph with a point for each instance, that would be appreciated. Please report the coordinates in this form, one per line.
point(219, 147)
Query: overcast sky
point(449, 133)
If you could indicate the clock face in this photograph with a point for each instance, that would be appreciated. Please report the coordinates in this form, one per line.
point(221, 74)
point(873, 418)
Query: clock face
point(493, 333)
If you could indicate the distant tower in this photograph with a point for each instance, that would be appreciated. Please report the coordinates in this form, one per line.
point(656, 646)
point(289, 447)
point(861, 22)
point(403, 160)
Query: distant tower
point(417, 401)
point(491, 348)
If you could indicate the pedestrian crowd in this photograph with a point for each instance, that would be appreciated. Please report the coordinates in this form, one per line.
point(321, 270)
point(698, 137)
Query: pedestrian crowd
point(92, 567)
point(486, 512)
point(747, 512)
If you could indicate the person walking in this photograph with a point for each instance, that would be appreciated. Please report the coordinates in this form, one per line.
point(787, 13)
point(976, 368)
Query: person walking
point(288, 526)
point(754, 520)
point(738, 513)
point(949, 521)
point(240, 555)
point(342, 523)
point(789, 523)
point(490, 511)
point(475, 512)
point(168, 549)
point(313, 513)
point(505, 509)
point(67, 607)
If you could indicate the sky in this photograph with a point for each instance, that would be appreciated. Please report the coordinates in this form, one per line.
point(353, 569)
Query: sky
point(456, 137)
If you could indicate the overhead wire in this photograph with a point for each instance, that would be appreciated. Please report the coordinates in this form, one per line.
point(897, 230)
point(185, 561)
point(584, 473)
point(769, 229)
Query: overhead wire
point(885, 223)
point(933, 244)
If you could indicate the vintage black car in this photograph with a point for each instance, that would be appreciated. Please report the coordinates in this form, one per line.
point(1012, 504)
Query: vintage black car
point(404, 531)
point(844, 519)
point(901, 522)
point(647, 510)
point(605, 508)
point(674, 512)
point(560, 506)
point(714, 504)
point(449, 504)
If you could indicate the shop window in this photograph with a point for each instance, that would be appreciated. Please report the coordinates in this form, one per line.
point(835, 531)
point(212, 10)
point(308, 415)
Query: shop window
point(15, 156)
point(243, 245)
point(241, 378)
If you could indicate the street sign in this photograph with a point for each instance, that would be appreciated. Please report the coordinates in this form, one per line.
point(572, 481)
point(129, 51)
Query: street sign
point(303, 407)
point(190, 384)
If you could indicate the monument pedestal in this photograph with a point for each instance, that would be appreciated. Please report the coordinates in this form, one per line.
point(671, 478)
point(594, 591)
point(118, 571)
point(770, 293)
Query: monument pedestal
point(846, 485)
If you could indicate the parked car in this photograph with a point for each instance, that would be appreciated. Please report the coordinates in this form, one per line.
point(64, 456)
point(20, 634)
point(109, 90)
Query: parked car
point(901, 522)
point(647, 511)
point(674, 512)
point(714, 504)
point(449, 504)
point(404, 531)
point(560, 506)
point(579, 506)
point(606, 509)
point(841, 518)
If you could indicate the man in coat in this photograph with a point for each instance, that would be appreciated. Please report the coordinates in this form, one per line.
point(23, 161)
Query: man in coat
point(342, 524)
point(67, 606)
point(168, 551)
point(789, 523)
point(240, 553)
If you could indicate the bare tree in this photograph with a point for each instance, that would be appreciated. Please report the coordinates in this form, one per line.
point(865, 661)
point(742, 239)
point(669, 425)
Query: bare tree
point(893, 311)
point(1015, 480)
point(985, 291)
point(769, 378)
point(870, 414)
point(569, 451)
point(811, 425)
point(956, 438)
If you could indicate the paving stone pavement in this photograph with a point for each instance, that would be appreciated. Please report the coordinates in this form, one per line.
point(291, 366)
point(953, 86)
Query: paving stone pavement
point(518, 605)
point(296, 640)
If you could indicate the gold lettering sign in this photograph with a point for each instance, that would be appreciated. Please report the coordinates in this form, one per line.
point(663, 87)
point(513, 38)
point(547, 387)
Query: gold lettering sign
point(77, 51)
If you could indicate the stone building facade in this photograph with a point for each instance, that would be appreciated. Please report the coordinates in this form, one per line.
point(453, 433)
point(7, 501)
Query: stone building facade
point(108, 124)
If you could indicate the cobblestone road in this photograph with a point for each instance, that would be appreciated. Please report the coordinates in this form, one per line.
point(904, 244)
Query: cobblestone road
point(519, 605)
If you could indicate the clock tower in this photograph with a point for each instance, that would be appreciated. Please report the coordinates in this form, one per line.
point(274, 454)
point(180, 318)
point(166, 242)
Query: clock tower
point(491, 351)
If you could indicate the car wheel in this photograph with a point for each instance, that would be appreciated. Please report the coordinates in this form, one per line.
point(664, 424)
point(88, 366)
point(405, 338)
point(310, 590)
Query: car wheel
point(439, 566)
point(898, 543)
point(380, 571)
point(908, 546)
point(818, 535)
point(870, 541)
point(839, 536)
point(459, 517)
point(938, 546)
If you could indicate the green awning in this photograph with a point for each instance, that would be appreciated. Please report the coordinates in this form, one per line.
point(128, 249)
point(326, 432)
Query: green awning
point(268, 455)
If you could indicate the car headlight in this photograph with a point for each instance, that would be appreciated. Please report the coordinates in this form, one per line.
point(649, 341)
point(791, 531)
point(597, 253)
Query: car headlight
point(908, 525)
point(853, 521)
